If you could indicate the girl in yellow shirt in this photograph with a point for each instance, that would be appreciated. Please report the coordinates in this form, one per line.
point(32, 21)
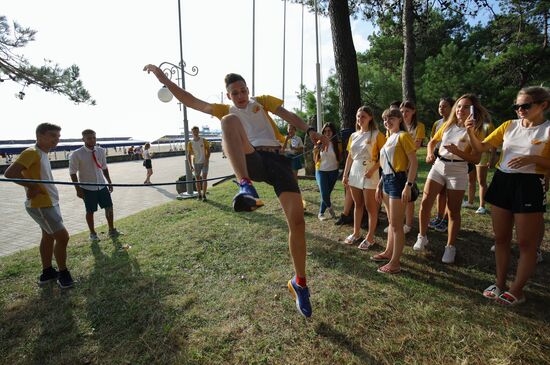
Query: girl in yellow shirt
point(517, 193)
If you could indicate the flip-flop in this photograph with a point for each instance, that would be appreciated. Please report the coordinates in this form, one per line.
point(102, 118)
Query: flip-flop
point(508, 299)
point(492, 292)
point(386, 270)
point(352, 240)
point(379, 258)
point(365, 245)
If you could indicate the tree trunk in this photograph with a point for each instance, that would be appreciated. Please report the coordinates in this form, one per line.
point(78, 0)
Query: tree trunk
point(345, 60)
point(308, 146)
point(409, 50)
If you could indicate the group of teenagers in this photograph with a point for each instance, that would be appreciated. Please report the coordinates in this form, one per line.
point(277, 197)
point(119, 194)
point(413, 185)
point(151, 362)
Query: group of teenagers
point(254, 146)
point(381, 168)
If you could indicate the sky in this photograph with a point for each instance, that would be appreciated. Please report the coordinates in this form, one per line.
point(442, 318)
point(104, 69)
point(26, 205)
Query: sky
point(111, 41)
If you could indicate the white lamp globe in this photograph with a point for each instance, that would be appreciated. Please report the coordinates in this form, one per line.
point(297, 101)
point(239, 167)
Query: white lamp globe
point(165, 95)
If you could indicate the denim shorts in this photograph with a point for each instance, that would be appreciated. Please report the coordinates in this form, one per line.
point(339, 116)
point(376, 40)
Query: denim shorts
point(394, 184)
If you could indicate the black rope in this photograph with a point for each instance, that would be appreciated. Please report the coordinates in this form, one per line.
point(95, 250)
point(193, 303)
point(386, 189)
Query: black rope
point(308, 151)
point(31, 181)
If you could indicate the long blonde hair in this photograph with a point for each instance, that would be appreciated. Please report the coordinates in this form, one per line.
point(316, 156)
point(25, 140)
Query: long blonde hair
point(481, 114)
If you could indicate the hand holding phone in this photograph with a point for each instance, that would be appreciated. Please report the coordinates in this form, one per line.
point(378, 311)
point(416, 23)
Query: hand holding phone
point(472, 115)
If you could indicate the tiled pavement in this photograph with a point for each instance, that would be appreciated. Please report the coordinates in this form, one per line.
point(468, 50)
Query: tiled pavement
point(20, 232)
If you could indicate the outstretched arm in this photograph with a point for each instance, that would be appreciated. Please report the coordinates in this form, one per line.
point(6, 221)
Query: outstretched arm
point(296, 121)
point(182, 95)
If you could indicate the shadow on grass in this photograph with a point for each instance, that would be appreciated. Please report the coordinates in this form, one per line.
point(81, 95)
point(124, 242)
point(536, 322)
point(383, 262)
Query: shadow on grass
point(341, 340)
point(125, 309)
point(466, 279)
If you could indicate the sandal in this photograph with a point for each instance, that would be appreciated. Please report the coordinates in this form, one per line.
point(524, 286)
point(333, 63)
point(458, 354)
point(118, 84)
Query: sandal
point(379, 258)
point(492, 292)
point(352, 240)
point(508, 299)
point(387, 270)
point(365, 245)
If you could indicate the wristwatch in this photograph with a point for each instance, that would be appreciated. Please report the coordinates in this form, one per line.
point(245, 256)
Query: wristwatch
point(309, 130)
point(410, 183)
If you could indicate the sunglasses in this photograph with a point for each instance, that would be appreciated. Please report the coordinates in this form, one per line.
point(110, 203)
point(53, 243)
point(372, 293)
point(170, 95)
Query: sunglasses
point(525, 106)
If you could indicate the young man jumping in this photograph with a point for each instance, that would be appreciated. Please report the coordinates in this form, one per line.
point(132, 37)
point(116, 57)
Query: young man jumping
point(252, 143)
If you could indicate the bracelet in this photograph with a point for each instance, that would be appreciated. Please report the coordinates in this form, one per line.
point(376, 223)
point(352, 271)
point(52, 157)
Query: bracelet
point(309, 130)
point(410, 183)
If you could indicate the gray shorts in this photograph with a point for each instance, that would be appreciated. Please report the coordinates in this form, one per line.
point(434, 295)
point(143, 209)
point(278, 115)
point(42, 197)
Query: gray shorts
point(200, 169)
point(49, 219)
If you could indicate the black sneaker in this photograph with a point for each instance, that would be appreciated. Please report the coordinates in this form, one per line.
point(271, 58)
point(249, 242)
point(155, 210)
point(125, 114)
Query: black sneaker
point(49, 274)
point(65, 280)
point(344, 219)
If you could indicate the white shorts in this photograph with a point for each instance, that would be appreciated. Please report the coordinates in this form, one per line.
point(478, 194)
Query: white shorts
point(452, 175)
point(357, 177)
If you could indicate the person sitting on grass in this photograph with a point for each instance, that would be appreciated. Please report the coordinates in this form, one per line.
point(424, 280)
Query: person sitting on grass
point(252, 143)
point(42, 203)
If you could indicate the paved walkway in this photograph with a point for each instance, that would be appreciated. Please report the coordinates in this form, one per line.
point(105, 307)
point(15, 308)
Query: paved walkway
point(20, 232)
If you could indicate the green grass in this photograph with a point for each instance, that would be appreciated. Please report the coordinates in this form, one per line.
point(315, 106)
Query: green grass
point(201, 284)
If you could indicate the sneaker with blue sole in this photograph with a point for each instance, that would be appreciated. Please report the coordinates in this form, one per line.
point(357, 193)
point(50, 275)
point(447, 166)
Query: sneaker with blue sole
point(301, 296)
point(247, 199)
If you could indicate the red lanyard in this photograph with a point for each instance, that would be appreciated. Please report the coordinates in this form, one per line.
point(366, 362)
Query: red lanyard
point(95, 160)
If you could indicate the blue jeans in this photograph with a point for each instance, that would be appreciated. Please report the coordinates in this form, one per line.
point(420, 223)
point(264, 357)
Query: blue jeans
point(326, 181)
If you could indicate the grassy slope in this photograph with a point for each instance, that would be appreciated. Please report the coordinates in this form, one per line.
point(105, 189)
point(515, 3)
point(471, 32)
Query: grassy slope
point(203, 285)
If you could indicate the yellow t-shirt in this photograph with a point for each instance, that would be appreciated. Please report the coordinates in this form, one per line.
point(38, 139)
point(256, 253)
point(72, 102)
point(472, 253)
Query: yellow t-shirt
point(418, 133)
point(517, 140)
point(452, 134)
point(366, 146)
point(396, 148)
point(37, 167)
point(260, 129)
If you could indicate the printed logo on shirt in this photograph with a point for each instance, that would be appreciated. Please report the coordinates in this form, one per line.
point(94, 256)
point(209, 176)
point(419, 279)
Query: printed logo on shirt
point(256, 109)
point(537, 141)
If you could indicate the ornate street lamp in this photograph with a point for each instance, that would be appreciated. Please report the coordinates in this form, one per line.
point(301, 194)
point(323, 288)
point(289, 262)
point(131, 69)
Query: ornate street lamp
point(165, 95)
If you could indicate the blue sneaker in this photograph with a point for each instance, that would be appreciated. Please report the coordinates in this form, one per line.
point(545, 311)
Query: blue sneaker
point(442, 226)
point(301, 296)
point(434, 222)
point(247, 199)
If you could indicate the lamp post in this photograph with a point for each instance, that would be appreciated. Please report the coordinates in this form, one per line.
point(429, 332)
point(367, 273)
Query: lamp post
point(165, 95)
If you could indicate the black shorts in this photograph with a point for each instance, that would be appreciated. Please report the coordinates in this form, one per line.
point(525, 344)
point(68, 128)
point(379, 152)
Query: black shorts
point(518, 193)
point(94, 197)
point(274, 169)
point(147, 164)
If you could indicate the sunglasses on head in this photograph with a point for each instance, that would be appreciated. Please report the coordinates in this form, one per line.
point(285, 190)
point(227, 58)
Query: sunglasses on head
point(525, 106)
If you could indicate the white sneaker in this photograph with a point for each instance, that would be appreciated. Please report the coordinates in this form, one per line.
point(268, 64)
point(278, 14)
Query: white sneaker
point(449, 255)
point(465, 204)
point(386, 229)
point(406, 229)
point(331, 212)
point(421, 243)
point(322, 217)
point(93, 237)
point(481, 210)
